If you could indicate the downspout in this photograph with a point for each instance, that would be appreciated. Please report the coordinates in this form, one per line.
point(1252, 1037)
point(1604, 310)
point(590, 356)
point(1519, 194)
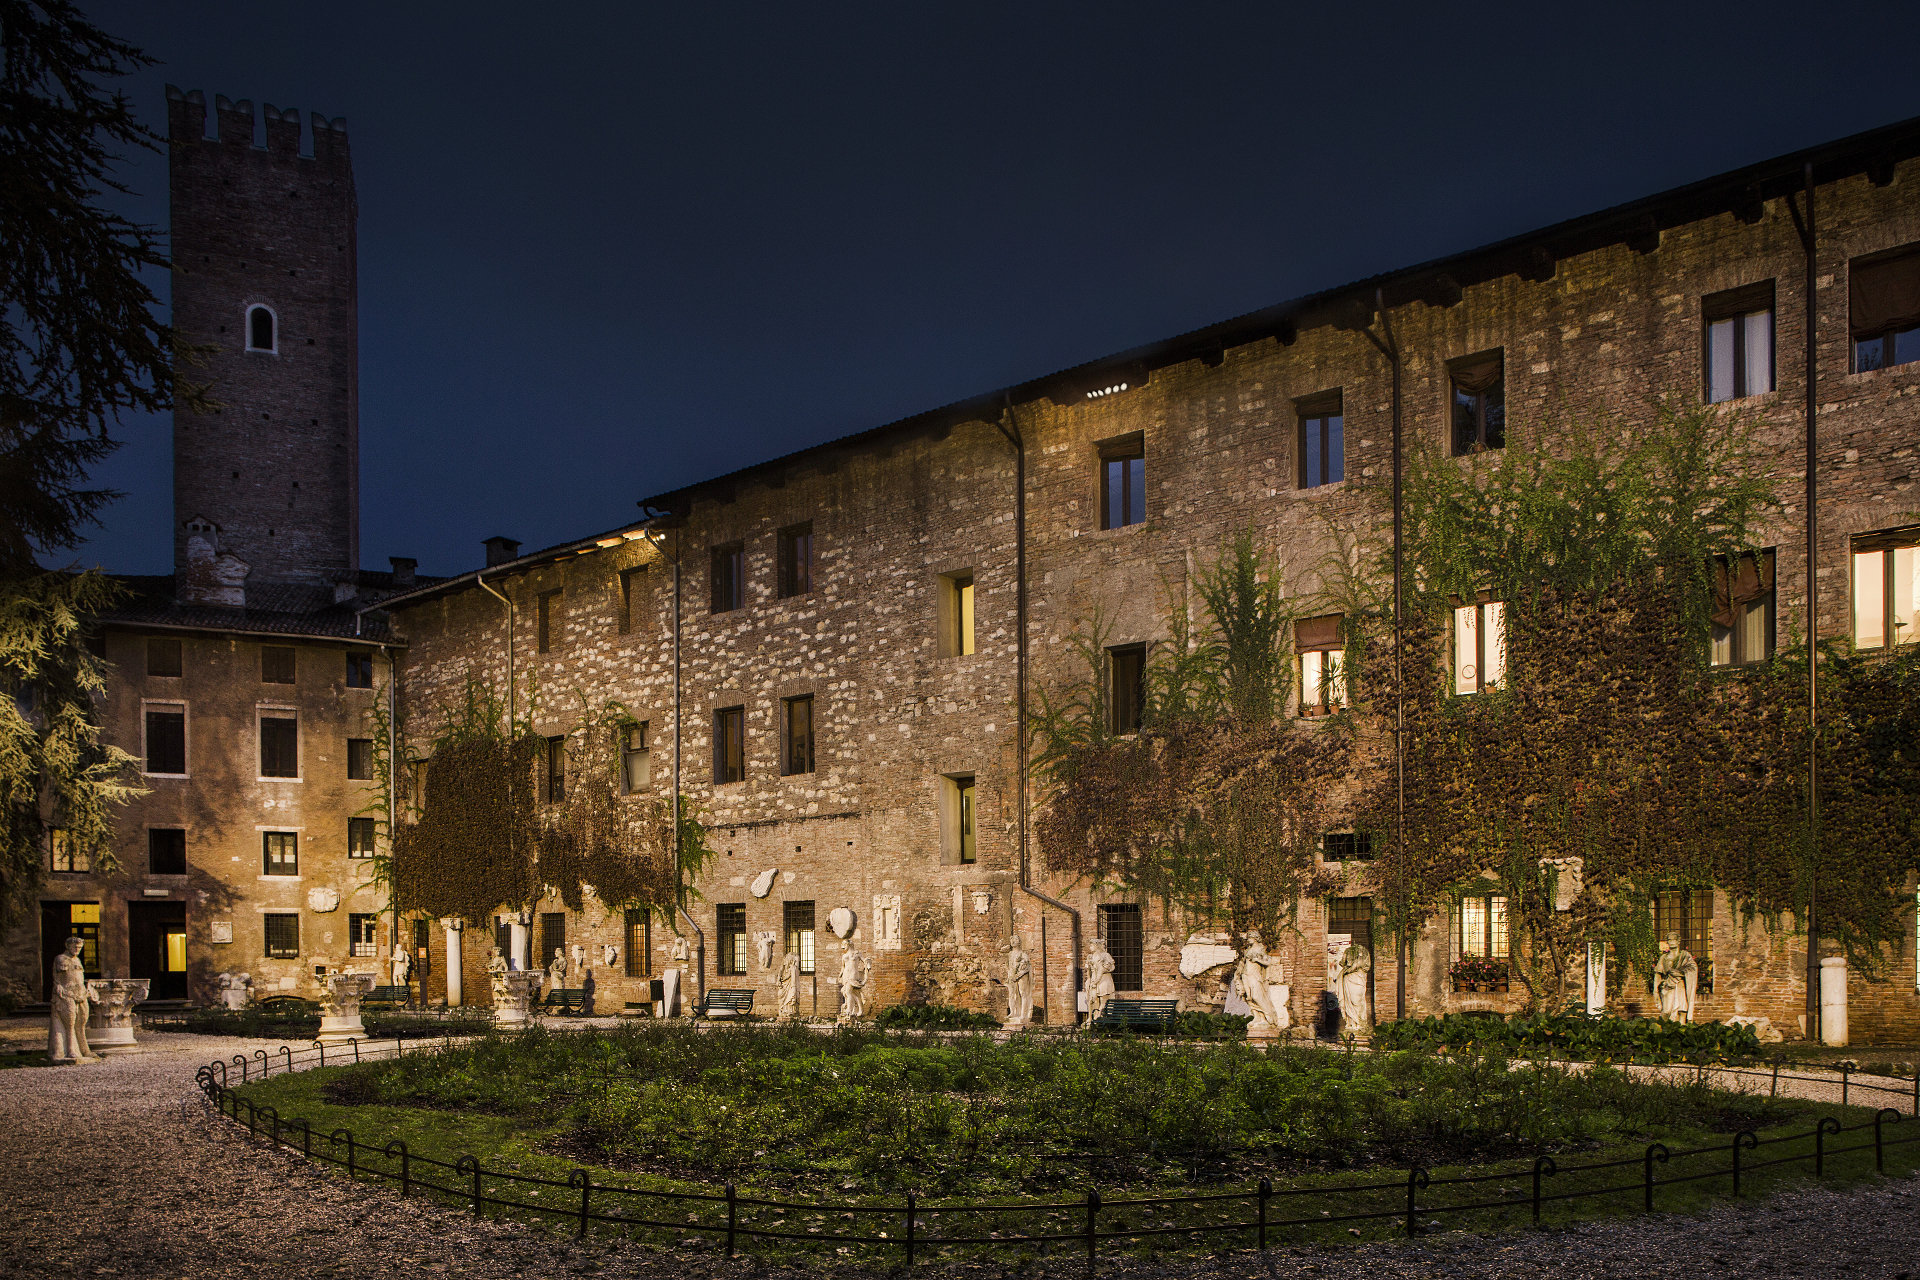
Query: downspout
point(481, 579)
point(1010, 428)
point(1805, 226)
point(393, 782)
point(1390, 348)
point(679, 899)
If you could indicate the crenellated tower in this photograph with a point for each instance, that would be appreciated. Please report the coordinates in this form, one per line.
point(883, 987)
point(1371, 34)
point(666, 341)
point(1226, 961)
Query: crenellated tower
point(264, 281)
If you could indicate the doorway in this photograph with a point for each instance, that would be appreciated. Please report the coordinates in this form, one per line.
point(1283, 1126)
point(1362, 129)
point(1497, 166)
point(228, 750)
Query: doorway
point(157, 947)
point(58, 922)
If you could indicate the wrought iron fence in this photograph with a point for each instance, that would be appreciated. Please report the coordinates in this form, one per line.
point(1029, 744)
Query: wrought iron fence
point(1257, 1215)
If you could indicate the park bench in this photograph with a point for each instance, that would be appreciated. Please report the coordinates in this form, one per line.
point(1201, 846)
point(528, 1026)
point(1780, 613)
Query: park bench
point(726, 1003)
point(565, 1000)
point(388, 996)
point(1138, 1015)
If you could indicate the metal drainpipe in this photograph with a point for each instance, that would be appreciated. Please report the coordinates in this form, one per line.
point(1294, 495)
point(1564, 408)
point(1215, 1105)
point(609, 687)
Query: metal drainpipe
point(1808, 244)
point(481, 578)
point(1391, 350)
point(699, 934)
point(1010, 428)
point(393, 782)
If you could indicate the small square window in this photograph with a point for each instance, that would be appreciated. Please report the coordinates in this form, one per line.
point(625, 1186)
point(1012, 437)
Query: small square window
point(363, 936)
point(726, 585)
point(359, 670)
point(166, 851)
point(1739, 342)
point(283, 935)
point(798, 756)
point(163, 656)
point(1884, 308)
point(729, 745)
point(279, 853)
point(277, 664)
point(1478, 393)
point(166, 741)
point(730, 927)
point(279, 747)
point(550, 618)
point(1127, 686)
point(1123, 482)
point(796, 560)
point(1742, 610)
point(360, 759)
point(1322, 447)
point(360, 837)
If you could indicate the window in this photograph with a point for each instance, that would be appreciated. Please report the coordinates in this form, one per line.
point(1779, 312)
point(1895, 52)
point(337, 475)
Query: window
point(360, 759)
point(796, 560)
point(277, 664)
point(798, 756)
point(1322, 445)
point(1742, 610)
point(730, 928)
point(1886, 589)
point(1884, 305)
point(1739, 338)
point(359, 670)
point(1127, 686)
point(167, 740)
point(360, 834)
point(796, 925)
point(639, 931)
point(363, 939)
point(555, 788)
point(279, 747)
point(279, 853)
point(166, 851)
point(636, 769)
point(1126, 943)
point(163, 656)
point(1323, 679)
point(961, 818)
point(64, 855)
point(1123, 482)
point(1479, 646)
point(549, 619)
point(420, 942)
point(283, 935)
point(260, 326)
point(1479, 397)
point(956, 615)
point(553, 937)
point(725, 578)
point(1347, 846)
point(1483, 926)
point(1689, 914)
point(729, 745)
point(630, 582)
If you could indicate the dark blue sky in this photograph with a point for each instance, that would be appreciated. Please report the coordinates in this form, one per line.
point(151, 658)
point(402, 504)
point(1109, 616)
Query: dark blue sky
point(606, 249)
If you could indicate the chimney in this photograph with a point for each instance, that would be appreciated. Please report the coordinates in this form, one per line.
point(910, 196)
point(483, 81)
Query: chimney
point(500, 550)
point(403, 571)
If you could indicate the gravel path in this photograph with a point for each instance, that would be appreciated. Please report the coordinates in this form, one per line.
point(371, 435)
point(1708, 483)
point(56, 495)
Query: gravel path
point(103, 1172)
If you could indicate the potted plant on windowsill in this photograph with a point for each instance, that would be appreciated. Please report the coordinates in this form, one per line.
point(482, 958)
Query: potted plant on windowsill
point(1478, 973)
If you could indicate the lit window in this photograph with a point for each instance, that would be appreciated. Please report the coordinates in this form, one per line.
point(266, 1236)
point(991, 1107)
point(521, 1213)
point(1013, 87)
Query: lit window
point(279, 853)
point(1478, 390)
point(1479, 646)
point(1483, 926)
point(1743, 610)
point(960, 819)
point(1884, 309)
point(1123, 482)
point(1739, 337)
point(956, 615)
point(1323, 676)
point(639, 929)
point(1322, 448)
point(65, 855)
point(260, 329)
point(1886, 589)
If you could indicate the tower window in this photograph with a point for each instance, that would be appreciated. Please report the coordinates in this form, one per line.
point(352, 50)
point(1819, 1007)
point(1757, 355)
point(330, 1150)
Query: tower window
point(1322, 445)
point(260, 330)
point(1479, 402)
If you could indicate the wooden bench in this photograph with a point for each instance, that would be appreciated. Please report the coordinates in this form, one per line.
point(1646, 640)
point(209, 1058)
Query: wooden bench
point(726, 1003)
point(1138, 1015)
point(565, 1000)
point(389, 996)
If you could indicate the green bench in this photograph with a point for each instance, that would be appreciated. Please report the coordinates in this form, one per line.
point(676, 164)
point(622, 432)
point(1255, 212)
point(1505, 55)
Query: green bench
point(1138, 1015)
point(726, 1003)
point(388, 996)
point(565, 1000)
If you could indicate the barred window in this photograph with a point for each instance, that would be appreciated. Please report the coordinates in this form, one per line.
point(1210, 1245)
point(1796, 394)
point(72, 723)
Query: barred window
point(362, 935)
point(553, 937)
point(1120, 922)
point(283, 935)
point(66, 856)
point(1688, 913)
point(639, 924)
point(796, 919)
point(730, 927)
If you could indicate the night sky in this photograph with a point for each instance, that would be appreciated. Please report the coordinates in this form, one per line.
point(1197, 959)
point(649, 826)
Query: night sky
point(608, 249)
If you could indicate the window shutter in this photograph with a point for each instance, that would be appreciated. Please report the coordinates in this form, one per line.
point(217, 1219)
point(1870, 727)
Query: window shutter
point(1318, 633)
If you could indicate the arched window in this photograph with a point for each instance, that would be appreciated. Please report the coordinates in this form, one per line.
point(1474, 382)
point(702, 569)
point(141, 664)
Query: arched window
point(260, 329)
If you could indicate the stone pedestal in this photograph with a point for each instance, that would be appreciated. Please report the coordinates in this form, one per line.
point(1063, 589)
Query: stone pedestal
point(454, 961)
point(110, 1025)
point(513, 998)
point(340, 1008)
point(1833, 1001)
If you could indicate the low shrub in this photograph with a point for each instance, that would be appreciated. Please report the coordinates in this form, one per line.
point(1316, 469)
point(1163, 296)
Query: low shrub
point(932, 1017)
point(1574, 1035)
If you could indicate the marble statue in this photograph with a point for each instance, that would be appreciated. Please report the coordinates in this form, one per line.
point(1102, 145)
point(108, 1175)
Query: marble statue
point(67, 1007)
point(400, 965)
point(234, 989)
point(557, 971)
point(790, 985)
point(1019, 985)
point(1099, 981)
point(1356, 965)
point(679, 949)
point(1676, 976)
point(1268, 999)
point(497, 971)
point(853, 982)
point(764, 944)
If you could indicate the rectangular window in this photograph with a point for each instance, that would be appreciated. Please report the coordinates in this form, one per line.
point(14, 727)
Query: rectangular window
point(956, 615)
point(1483, 926)
point(1886, 589)
point(363, 938)
point(166, 851)
point(726, 578)
point(1123, 482)
point(631, 581)
point(360, 837)
point(554, 789)
point(1884, 308)
point(1739, 342)
point(636, 762)
point(1479, 646)
point(729, 745)
point(730, 929)
point(1126, 943)
point(163, 656)
point(639, 922)
point(1687, 914)
point(1127, 686)
point(796, 925)
point(1323, 677)
point(167, 741)
point(283, 935)
point(360, 759)
point(961, 816)
point(798, 756)
point(359, 669)
point(796, 560)
point(549, 618)
point(1742, 610)
point(1322, 447)
point(1347, 846)
point(279, 853)
point(65, 856)
point(1477, 386)
point(278, 663)
point(279, 747)
point(553, 937)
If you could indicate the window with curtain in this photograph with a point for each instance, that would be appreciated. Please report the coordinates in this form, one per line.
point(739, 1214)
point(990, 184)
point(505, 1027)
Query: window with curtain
point(1742, 610)
point(1323, 677)
point(279, 853)
point(1477, 389)
point(1886, 589)
point(1482, 927)
point(1739, 342)
point(1884, 308)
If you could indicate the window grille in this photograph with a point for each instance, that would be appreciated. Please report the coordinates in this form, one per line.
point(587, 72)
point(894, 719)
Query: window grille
point(283, 935)
point(796, 919)
point(1120, 923)
point(730, 929)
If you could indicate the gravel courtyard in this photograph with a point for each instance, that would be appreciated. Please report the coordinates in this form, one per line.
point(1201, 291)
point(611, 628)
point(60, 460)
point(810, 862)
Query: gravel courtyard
point(103, 1172)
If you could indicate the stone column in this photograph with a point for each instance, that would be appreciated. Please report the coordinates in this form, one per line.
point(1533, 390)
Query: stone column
point(454, 993)
point(110, 1025)
point(517, 944)
point(340, 1007)
point(1833, 1001)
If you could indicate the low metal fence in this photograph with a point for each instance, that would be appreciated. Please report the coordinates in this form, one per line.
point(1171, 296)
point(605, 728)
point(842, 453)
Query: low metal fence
point(1257, 1215)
